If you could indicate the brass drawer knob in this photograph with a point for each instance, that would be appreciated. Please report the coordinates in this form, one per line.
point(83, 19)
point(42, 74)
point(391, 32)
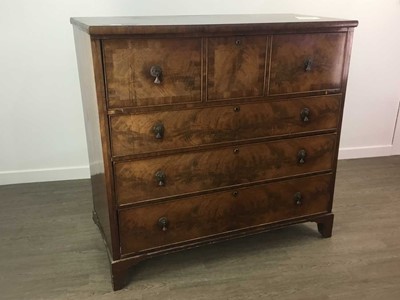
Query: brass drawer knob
point(163, 223)
point(160, 178)
point(305, 114)
point(159, 130)
point(298, 198)
point(301, 156)
point(236, 109)
point(156, 72)
point(308, 65)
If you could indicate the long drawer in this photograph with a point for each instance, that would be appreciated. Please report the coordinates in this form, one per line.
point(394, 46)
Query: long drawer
point(202, 216)
point(179, 174)
point(146, 133)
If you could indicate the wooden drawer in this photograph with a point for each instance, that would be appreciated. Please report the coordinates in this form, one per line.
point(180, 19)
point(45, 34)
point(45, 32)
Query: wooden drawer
point(145, 133)
point(306, 62)
point(179, 174)
point(236, 67)
point(129, 81)
point(207, 215)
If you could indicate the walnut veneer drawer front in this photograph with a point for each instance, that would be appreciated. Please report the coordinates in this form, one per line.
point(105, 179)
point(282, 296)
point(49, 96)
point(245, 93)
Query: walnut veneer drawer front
point(146, 133)
point(185, 219)
point(180, 174)
point(147, 72)
point(236, 67)
point(306, 62)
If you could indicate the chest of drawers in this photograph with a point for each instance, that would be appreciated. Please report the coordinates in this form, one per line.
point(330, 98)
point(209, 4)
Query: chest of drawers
point(206, 128)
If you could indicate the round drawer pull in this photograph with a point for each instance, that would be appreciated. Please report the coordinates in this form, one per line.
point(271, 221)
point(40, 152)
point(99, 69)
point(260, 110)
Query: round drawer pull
point(238, 42)
point(236, 150)
point(301, 156)
point(163, 223)
point(159, 130)
point(235, 193)
point(305, 114)
point(236, 109)
point(298, 198)
point(156, 72)
point(160, 178)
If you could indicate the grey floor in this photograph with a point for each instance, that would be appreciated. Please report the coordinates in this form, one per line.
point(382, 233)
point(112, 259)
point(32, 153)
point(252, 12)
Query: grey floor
point(50, 249)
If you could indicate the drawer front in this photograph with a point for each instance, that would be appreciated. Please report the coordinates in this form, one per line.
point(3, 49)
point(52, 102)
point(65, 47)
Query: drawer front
point(207, 215)
point(306, 62)
point(179, 174)
point(131, 66)
point(236, 67)
point(135, 134)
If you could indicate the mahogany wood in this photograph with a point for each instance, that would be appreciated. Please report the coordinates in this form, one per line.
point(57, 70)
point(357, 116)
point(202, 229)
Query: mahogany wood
point(96, 126)
point(206, 215)
point(134, 133)
point(130, 83)
point(290, 54)
point(197, 125)
point(205, 170)
point(236, 67)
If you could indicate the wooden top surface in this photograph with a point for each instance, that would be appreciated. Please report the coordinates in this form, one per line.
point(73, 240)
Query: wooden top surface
point(205, 23)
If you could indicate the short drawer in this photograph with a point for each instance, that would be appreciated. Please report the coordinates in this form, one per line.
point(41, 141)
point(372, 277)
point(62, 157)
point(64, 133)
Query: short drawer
point(145, 133)
point(236, 67)
point(187, 219)
point(148, 72)
point(306, 63)
point(180, 174)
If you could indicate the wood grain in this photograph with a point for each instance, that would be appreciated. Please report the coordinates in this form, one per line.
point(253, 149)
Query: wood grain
point(236, 67)
point(127, 64)
point(134, 134)
point(202, 216)
point(96, 125)
point(291, 51)
point(205, 170)
point(257, 63)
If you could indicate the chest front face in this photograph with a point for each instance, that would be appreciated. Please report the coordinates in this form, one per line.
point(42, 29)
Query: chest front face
point(194, 116)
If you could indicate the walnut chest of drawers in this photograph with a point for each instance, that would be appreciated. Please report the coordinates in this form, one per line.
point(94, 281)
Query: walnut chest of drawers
point(205, 128)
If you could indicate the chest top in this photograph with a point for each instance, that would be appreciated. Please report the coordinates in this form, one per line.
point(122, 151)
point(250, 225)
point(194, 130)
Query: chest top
point(212, 24)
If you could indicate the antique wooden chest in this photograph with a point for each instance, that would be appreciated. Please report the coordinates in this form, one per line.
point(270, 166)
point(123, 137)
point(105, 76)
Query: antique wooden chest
point(205, 128)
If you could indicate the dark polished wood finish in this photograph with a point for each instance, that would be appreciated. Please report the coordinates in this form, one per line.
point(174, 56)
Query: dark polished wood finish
point(134, 133)
point(307, 62)
point(236, 67)
point(206, 128)
point(129, 80)
point(206, 170)
point(223, 212)
point(96, 125)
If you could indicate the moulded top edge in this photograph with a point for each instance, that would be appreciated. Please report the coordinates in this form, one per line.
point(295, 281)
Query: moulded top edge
point(205, 23)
